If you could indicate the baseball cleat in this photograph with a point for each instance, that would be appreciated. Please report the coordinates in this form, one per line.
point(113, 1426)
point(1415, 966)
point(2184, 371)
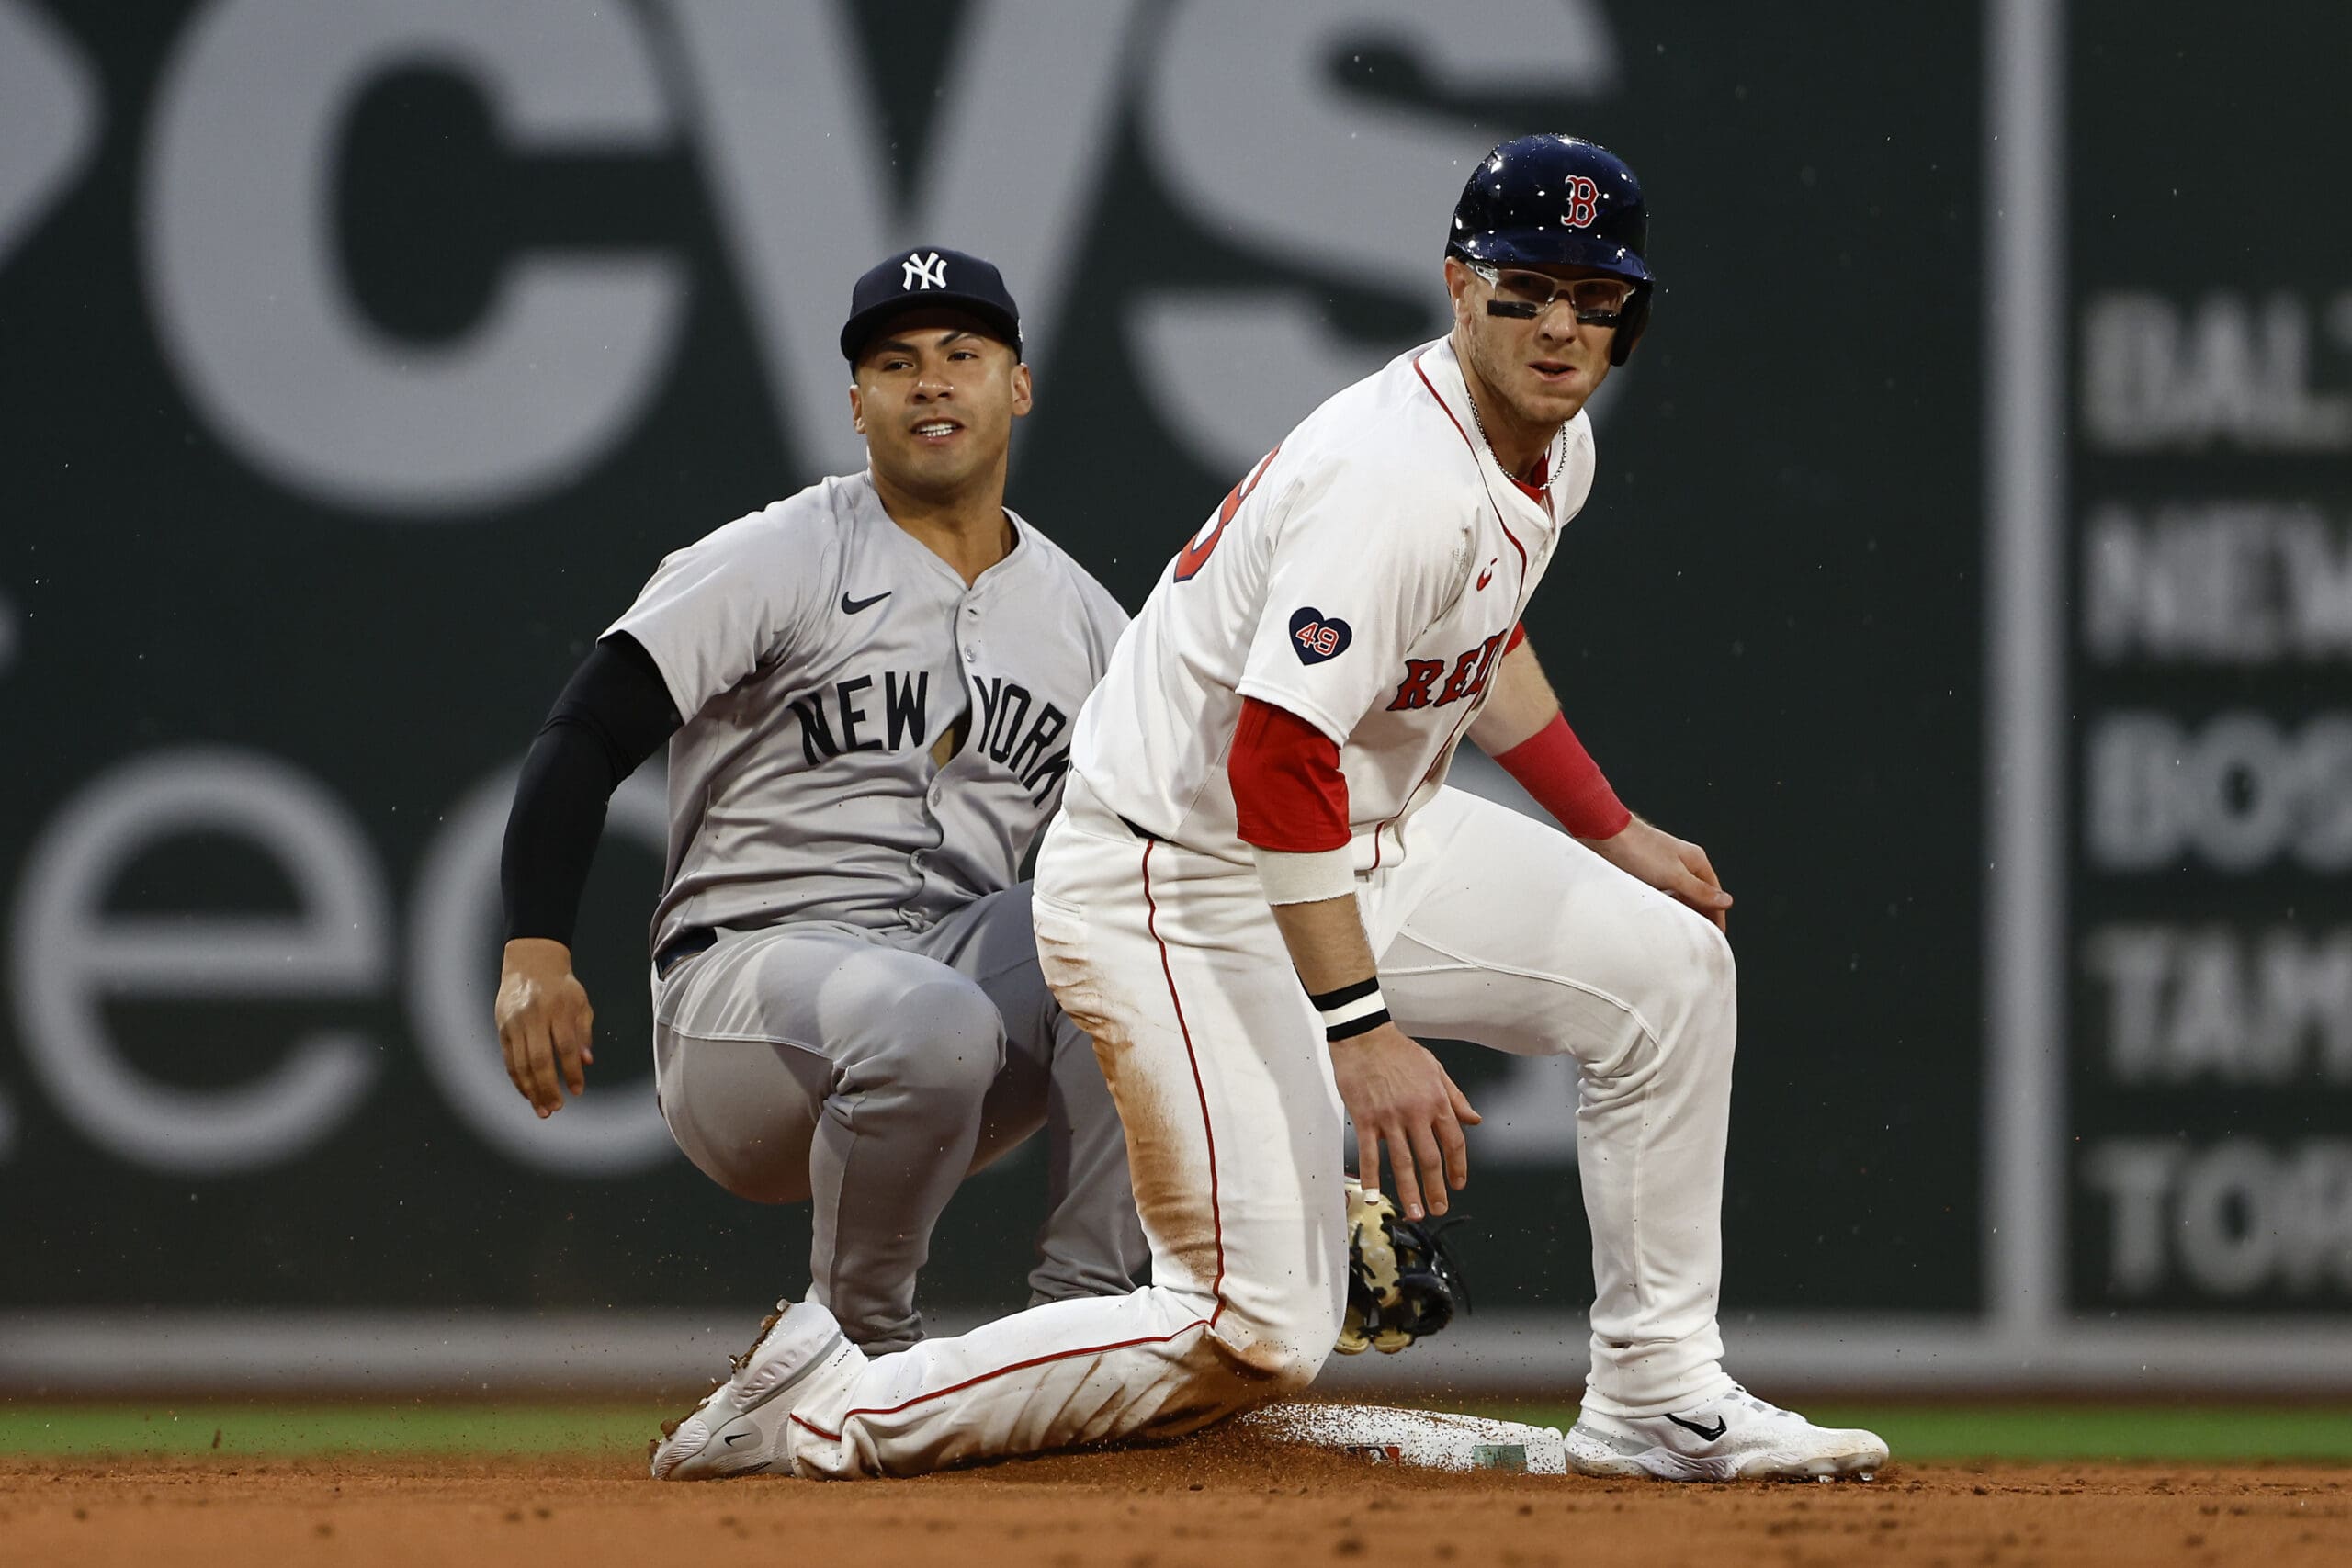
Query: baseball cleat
point(1733, 1437)
point(738, 1428)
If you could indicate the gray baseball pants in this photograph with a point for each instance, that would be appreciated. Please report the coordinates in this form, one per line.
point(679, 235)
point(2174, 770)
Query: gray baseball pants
point(868, 1072)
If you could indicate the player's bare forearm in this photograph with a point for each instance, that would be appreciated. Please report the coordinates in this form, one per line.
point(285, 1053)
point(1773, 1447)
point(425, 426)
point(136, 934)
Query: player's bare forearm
point(544, 1022)
point(1395, 1092)
point(1326, 942)
point(1519, 703)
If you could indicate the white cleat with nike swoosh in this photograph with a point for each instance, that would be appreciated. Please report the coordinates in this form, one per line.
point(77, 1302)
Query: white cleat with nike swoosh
point(1733, 1437)
point(738, 1428)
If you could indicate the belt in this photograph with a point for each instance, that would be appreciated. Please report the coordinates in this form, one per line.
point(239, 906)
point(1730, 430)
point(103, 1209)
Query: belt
point(685, 946)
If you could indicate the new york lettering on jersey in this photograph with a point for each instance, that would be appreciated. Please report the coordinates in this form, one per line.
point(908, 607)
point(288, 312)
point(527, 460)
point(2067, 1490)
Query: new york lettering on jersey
point(868, 735)
point(904, 696)
point(1017, 727)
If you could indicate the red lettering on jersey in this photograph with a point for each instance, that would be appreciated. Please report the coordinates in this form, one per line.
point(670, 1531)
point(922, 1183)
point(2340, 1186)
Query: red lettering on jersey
point(1421, 674)
point(1584, 203)
point(1195, 555)
point(1470, 670)
point(1490, 652)
point(1457, 685)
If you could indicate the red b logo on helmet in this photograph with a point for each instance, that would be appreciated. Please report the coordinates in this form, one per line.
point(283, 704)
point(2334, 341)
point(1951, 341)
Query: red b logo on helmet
point(1584, 203)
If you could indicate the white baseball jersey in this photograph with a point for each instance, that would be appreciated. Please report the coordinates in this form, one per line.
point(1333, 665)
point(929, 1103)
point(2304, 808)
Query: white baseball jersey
point(1365, 576)
point(818, 652)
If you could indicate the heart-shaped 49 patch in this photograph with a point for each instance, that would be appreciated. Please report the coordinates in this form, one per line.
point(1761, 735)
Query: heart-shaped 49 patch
point(1314, 637)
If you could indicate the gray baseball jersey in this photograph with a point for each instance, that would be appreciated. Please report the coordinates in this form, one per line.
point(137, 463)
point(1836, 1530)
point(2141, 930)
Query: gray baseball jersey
point(819, 653)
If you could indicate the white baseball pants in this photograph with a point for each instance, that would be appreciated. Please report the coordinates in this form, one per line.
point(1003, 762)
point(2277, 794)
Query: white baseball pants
point(1497, 930)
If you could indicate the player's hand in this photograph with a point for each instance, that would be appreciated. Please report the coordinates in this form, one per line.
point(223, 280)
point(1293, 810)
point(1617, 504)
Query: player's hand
point(543, 1022)
point(1398, 1094)
point(1674, 866)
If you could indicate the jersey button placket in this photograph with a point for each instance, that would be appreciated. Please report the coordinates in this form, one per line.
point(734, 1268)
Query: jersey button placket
point(968, 632)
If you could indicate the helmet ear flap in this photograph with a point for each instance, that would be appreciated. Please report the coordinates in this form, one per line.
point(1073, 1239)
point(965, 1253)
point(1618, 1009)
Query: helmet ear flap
point(1631, 321)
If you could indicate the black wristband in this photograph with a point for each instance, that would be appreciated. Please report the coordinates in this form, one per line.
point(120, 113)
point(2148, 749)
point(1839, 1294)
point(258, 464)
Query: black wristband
point(1351, 1010)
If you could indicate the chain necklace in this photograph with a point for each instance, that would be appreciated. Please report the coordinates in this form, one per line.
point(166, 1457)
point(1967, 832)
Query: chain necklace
point(1557, 450)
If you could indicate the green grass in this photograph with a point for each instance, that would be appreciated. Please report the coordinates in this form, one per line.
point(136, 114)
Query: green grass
point(418, 1427)
point(2214, 1434)
point(2157, 1434)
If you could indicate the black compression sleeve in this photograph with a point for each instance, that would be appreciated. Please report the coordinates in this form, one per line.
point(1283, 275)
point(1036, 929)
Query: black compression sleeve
point(614, 714)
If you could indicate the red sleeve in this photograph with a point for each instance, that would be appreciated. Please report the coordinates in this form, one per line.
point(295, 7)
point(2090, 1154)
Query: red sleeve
point(1288, 792)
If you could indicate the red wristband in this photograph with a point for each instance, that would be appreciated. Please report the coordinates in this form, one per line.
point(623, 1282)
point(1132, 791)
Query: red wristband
point(1553, 766)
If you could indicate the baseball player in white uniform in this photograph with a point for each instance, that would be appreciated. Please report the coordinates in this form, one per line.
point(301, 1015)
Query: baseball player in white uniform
point(866, 690)
point(1260, 887)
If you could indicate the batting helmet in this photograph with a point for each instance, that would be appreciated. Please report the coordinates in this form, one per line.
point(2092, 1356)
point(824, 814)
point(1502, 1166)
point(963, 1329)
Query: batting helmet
point(1559, 202)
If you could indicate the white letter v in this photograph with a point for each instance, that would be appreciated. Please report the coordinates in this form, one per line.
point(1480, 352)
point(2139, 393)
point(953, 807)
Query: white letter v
point(793, 152)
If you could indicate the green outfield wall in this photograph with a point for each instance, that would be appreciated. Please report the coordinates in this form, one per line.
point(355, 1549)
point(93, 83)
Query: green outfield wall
point(1968, 570)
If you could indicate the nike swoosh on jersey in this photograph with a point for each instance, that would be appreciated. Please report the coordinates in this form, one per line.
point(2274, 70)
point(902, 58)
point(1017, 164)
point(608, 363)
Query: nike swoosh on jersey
point(852, 606)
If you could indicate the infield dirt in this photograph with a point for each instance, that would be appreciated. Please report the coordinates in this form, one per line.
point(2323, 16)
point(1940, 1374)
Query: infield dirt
point(1222, 1503)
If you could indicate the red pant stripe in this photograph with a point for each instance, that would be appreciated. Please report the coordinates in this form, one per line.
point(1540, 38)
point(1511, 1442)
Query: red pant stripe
point(1208, 1130)
point(1216, 1216)
point(1018, 1366)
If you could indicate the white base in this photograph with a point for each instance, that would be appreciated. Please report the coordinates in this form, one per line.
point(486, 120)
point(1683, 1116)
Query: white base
point(1424, 1439)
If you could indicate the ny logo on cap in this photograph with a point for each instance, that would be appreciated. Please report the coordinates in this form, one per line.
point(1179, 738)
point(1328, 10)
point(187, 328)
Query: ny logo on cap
point(927, 272)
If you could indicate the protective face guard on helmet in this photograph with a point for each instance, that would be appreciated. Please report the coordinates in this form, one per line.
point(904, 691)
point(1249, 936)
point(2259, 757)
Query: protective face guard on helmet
point(1629, 321)
point(1528, 310)
point(1521, 310)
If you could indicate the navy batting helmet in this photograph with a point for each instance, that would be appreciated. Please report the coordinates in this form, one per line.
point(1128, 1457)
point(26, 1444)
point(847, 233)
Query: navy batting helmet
point(1559, 202)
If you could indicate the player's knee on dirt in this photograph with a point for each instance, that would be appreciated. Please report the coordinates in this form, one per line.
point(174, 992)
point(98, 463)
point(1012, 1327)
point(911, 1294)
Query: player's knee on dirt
point(1270, 1367)
point(1277, 1335)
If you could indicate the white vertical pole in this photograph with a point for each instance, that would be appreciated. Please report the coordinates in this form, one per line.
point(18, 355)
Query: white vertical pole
point(2026, 326)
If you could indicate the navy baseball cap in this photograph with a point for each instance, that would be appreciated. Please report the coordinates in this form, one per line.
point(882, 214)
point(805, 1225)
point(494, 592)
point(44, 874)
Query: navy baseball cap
point(928, 276)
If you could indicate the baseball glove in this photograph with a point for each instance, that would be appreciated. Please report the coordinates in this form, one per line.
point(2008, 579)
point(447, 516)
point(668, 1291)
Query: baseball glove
point(1403, 1284)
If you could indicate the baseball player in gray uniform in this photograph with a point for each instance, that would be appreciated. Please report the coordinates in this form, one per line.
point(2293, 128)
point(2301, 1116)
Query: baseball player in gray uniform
point(866, 690)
